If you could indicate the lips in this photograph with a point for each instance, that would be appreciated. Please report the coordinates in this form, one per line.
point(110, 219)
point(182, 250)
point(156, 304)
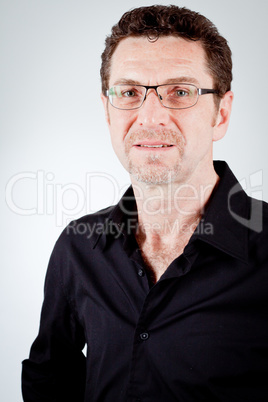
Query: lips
point(155, 146)
point(153, 141)
point(152, 144)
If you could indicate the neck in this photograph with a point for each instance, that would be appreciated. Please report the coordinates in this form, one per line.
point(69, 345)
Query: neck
point(173, 209)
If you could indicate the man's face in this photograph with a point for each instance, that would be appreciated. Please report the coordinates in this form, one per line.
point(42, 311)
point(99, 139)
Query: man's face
point(186, 133)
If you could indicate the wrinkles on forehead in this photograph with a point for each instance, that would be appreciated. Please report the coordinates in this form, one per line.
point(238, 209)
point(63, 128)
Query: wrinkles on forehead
point(175, 80)
point(168, 60)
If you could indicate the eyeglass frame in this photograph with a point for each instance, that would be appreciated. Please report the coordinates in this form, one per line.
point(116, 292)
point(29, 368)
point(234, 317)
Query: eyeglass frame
point(200, 91)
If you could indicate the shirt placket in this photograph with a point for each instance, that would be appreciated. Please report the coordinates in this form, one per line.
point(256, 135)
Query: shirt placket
point(138, 385)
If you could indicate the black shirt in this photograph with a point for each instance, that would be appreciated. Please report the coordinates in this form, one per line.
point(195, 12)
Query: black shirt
point(199, 334)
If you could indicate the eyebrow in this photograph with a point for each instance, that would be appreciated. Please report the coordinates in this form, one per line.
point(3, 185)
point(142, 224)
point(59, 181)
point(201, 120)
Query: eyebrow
point(185, 79)
point(125, 81)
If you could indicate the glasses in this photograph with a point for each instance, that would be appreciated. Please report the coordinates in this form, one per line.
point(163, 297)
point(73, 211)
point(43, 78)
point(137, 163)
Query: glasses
point(171, 96)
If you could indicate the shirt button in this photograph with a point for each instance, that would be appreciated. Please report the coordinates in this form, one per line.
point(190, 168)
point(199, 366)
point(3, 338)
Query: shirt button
point(144, 336)
point(141, 272)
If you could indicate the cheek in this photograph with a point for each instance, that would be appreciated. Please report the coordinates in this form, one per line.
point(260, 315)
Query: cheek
point(196, 126)
point(117, 133)
point(115, 138)
point(120, 122)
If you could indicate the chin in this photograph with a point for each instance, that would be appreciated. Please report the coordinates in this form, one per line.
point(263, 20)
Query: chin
point(154, 175)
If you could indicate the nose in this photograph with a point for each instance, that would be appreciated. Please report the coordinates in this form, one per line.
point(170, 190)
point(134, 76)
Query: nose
point(152, 112)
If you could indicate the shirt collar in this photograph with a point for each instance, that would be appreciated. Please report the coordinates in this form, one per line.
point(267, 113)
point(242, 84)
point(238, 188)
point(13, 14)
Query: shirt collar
point(116, 221)
point(221, 226)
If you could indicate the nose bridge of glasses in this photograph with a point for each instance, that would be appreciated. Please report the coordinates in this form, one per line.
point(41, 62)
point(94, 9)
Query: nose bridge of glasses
point(152, 89)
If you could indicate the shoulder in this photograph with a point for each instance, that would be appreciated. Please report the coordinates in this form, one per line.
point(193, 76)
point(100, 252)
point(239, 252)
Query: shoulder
point(83, 232)
point(258, 215)
point(258, 230)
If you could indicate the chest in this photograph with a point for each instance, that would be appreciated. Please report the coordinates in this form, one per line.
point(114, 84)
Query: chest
point(158, 255)
point(179, 334)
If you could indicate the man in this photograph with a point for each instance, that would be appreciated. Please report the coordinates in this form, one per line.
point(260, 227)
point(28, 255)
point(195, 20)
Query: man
point(168, 289)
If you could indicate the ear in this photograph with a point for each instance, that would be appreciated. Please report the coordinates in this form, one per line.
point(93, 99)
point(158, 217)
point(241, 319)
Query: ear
point(223, 116)
point(105, 105)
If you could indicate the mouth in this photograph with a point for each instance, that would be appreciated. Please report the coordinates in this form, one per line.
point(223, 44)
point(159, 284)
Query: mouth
point(148, 145)
point(154, 146)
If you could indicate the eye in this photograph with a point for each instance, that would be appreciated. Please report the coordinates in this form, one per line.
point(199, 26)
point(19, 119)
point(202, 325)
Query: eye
point(181, 93)
point(129, 93)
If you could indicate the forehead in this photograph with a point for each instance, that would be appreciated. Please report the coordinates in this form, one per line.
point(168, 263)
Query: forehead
point(138, 59)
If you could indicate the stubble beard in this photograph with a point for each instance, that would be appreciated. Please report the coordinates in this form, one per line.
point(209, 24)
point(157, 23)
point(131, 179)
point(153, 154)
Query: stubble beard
point(155, 169)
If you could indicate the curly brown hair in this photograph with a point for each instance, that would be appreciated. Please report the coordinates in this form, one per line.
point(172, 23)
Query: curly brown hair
point(157, 20)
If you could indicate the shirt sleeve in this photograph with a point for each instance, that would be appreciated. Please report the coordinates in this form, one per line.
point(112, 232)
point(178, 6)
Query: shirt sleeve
point(55, 370)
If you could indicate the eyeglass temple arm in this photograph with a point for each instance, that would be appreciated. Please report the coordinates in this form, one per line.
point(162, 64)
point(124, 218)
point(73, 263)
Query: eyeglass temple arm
point(204, 91)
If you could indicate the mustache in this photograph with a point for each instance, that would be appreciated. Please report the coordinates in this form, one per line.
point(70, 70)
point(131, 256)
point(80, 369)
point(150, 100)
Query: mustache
point(166, 135)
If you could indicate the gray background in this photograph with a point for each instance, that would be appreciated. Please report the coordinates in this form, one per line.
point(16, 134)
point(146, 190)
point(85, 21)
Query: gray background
point(52, 124)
